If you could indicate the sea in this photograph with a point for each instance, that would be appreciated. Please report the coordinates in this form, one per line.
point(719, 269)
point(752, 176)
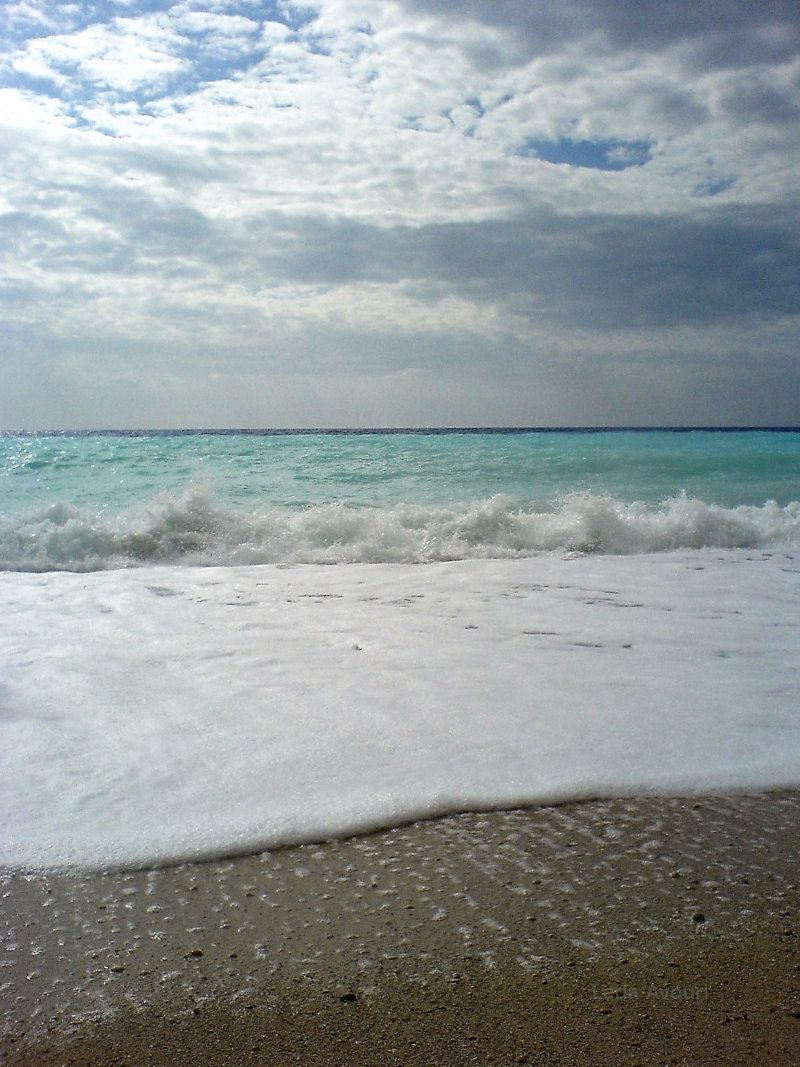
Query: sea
point(94, 501)
point(215, 642)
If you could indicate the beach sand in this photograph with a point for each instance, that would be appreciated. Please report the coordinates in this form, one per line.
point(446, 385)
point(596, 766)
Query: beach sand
point(650, 931)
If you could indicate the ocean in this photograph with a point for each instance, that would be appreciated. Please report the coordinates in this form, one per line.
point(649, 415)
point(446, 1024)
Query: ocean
point(219, 642)
point(95, 501)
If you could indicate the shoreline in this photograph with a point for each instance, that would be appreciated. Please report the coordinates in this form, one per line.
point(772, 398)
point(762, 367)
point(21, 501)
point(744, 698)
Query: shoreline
point(648, 930)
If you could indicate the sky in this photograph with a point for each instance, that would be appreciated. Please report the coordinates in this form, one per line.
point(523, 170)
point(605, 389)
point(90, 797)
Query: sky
point(399, 213)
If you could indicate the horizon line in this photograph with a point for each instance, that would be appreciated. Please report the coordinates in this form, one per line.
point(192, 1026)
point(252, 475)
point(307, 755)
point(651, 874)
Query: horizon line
point(366, 430)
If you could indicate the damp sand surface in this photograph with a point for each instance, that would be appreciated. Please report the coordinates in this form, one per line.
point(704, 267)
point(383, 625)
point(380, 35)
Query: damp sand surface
point(650, 931)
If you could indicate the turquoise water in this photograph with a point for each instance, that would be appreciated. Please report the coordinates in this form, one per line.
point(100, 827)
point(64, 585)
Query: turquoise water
point(93, 500)
point(382, 469)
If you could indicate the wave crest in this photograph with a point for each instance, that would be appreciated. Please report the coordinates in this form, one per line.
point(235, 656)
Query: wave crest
point(196, 529)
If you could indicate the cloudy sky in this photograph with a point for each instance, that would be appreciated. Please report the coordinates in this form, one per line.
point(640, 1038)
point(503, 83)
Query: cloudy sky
point(399, 212)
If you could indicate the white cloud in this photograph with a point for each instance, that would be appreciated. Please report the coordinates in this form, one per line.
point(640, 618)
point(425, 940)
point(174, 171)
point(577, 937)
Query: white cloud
point(207, 174)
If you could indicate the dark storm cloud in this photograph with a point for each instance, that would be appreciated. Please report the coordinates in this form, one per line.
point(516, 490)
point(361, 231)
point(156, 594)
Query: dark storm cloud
point(719, 35)
point(601, 272)
point(593, 272)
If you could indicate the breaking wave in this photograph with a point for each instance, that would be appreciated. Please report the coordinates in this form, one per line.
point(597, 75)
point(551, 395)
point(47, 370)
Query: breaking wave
point(196, 529)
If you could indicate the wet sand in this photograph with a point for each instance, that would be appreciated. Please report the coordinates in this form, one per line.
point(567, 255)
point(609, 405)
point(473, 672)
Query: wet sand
point(651, 931)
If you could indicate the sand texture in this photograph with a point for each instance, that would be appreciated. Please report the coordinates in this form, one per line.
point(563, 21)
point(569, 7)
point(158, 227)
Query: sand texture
point(651, 931)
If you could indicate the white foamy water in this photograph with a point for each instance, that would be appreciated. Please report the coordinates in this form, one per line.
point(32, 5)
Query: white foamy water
point(162, 713)
point(197, 529)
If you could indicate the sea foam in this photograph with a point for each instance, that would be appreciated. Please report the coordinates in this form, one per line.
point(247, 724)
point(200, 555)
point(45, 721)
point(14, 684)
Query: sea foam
point(197, 528)
point(162, 713)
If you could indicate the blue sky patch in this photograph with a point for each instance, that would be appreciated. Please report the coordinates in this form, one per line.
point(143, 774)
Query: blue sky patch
point(595, 155)
point(714, 188)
